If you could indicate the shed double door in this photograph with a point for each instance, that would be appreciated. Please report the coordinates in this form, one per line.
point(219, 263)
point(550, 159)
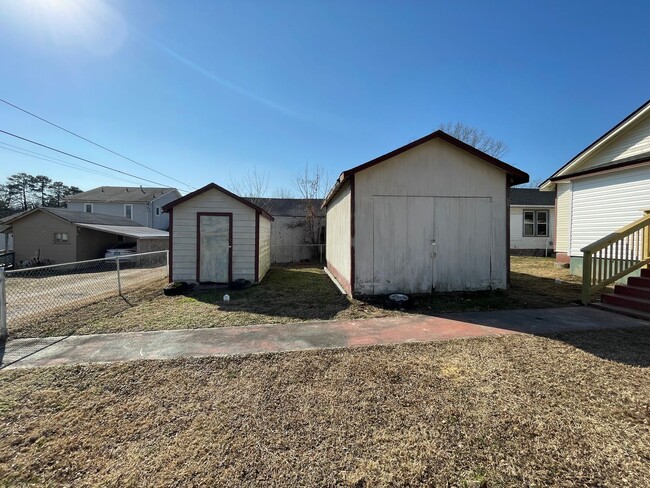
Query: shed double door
point(422, 244)
point(214, 248)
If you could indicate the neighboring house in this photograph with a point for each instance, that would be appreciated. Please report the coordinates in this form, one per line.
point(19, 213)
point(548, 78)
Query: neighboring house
point(602, 189)
point(429, 216)
point(140, 204)
point(294, 236)
point(532, 222)
point(218, 237)
point(61, 235)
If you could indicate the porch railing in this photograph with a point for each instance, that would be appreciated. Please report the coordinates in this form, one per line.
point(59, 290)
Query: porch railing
point(614, 256)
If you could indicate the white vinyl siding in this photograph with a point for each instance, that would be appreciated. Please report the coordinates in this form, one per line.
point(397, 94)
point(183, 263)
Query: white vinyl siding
point(184, 235)
point(338, 239)
point(563, 217)
point(433, 169)
point(603, 204)
point(517, 238)
point(265, 246)
point(633, 141)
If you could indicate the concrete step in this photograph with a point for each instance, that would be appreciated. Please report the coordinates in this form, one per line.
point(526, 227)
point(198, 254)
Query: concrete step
point(632, 291)
point(637, 314)
point(639, 281)
point(627, 302)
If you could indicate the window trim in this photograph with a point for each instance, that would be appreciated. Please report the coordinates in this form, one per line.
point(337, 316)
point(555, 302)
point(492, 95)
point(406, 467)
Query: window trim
point(92, 209)
point(536, 222)
point(157, 211)
point(131, 206)
point(61, 242)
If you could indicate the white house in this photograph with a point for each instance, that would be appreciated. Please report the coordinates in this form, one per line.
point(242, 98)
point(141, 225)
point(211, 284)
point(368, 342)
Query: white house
point(141, 204)
point(218, 237)
point(428, 216)
point(605, 187)
point(532, 222)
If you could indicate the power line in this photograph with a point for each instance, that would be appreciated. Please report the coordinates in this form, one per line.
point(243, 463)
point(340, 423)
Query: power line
point(61, 162)
point(91, 142)
point(80, 158)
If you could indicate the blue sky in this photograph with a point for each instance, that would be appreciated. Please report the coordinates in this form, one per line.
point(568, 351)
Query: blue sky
point(206, 91)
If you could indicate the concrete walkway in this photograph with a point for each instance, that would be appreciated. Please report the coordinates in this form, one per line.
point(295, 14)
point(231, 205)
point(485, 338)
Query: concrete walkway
point(226, 341)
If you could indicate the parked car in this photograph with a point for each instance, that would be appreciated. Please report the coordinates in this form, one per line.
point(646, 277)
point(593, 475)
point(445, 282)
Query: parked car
point(121, 250)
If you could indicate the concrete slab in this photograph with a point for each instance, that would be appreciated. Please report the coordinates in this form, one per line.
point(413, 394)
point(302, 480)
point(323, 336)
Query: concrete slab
point(227, 341)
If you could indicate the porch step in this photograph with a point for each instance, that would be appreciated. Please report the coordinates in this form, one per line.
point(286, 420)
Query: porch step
point(645, 272)
point(637, 314)
point(639, 281)
point(632, 291)
point(627, 302)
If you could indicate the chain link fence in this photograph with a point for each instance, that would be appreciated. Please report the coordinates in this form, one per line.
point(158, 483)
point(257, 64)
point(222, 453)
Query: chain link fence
point(33, 294)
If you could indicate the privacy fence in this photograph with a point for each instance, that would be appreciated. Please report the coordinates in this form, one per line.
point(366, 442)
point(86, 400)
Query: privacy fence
point(32, 295)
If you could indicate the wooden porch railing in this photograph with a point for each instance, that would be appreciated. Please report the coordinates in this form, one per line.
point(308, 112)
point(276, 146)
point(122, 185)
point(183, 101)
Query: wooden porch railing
point(614, 256)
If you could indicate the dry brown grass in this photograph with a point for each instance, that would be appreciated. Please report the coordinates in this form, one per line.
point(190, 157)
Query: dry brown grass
point(570, 410)
point(295, 295)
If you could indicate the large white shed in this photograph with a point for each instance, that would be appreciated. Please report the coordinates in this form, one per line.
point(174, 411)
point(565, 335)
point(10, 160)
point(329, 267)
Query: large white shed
point(216, 236)
point(429, 216)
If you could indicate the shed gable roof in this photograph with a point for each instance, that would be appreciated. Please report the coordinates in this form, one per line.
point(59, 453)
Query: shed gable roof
point(516, 175)
point(214, 186)
point(572, 167)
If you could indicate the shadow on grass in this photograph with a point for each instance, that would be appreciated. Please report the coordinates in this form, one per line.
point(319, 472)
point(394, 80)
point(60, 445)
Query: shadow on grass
point(301, 293)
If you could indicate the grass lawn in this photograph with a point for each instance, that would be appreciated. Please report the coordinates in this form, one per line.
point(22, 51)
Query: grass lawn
point(564, 410)
point(295, 295)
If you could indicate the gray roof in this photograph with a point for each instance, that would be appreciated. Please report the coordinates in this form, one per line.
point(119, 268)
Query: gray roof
point(532, 197)
point(288, 207)
point(138, 232)
point(119, 194)
point(75, 217)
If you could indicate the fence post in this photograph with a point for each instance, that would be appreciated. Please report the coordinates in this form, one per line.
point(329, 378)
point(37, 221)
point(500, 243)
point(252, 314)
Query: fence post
point(586, 277)
point(119, 282)
point(3, 306)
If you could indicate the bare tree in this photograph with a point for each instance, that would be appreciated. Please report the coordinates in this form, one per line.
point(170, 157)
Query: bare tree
point(283, 193)
point(477, 138)
point(312, 185)
point(254, 186)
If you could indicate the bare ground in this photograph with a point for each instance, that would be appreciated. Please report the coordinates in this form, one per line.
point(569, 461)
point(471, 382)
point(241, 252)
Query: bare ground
point(293, 294)
point(564, 410)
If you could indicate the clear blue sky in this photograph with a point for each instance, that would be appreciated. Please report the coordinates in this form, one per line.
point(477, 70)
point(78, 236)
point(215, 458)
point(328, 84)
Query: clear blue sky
point(206, 90)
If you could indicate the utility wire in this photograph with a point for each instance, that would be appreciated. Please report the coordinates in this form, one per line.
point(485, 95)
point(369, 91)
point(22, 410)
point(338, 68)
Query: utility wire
point(80, 158)
point(92, 142)
point(61, 162)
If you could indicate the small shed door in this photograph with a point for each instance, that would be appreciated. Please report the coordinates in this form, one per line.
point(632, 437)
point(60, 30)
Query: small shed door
point(463, 244)
point(214, 248)
point(402, 244)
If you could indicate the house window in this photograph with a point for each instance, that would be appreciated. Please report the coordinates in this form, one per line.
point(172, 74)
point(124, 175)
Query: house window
point(61, 238)
point(88, 207)
point(157, 211)
point(535, 223)
point(128, 211)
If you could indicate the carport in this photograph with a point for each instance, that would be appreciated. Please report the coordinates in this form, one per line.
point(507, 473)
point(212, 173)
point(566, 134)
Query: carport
point(147, 238)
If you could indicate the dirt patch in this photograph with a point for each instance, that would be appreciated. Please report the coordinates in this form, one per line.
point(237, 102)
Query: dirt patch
point(567, 410)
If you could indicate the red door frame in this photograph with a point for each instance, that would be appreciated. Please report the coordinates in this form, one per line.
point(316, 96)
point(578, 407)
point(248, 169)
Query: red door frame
point(198, 242)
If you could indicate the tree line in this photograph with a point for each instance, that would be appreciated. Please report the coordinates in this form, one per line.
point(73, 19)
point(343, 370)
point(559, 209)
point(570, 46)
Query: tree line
point(23, 191)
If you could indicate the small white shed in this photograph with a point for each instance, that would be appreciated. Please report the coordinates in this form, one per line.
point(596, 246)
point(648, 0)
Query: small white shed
point(429, 216)
point(216, 236)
